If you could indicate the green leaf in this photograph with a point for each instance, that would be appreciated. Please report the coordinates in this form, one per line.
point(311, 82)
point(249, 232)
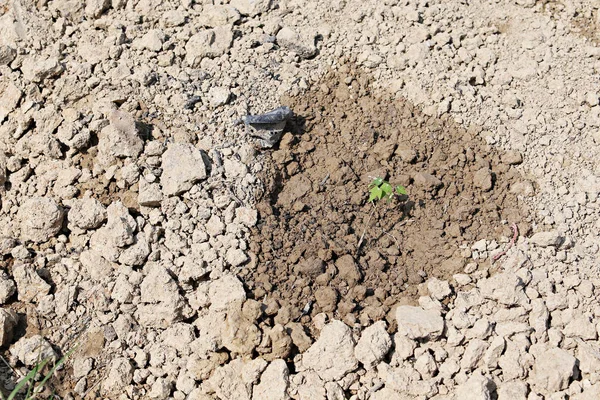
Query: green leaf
point(386, 188)
point(376, 193)
point(377, 182)
point(401, 190)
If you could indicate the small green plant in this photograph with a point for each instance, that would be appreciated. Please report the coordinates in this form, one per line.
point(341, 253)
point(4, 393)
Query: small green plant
point(34, 390)
point(381, 189)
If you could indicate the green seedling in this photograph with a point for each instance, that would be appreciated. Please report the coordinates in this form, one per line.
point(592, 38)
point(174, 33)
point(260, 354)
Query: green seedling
point(381, 189)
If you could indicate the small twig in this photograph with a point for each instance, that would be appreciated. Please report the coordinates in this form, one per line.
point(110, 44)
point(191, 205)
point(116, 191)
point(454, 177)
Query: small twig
point(93, 386)
point(365, 228)
point(515, 230)
point(14, 371)
point(324, 181)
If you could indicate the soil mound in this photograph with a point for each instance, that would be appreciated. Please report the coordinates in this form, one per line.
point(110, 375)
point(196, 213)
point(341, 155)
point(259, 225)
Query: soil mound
point(316, 209)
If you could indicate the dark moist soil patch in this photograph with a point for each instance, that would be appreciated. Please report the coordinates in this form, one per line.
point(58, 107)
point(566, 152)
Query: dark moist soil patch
point(315, 208)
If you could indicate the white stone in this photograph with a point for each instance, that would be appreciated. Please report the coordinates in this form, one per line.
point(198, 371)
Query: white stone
point(416, 323)
point(236, 257)
point(553, 370)
point(209, 43)
point(161, 389)
point(477, 387)
point(547, 239)
point(152, 40)
point(246, 216)
point(473, 353)
point(218, 96)
point(120, 373)
point(373, 345)
point(121, 137)
point(95, 8)
point(36, 69)
point(581, 327)
point(149, 194)
point(183, 165)
point(332, 355)
point(9, 98)
point(87, 213)
point(217, 15)
point(30, 286)
point(438, 289)
point(252, 8)
point(274, 382)
point(33, 349)
point(173, 18)
point(40, 219)
point(513, 390)
point(301, 44)
point(505, 288)
point(225, 291)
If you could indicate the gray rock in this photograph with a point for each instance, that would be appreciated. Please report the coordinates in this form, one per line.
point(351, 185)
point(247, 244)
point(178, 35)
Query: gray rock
point(30, 286)
point(373, 345)
point(40, 219)
point(209, 43)
point(8, 322)
point(87, 213)
point(416, 323)
point(301, 44)
point(183, 165)
point(332, 355)
point(7, 287)
point(547, 239)
point(33, 349)
point(7, 54)
point(553, 370)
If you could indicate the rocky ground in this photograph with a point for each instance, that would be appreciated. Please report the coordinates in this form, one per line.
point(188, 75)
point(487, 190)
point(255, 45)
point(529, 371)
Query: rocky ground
point(145, 227)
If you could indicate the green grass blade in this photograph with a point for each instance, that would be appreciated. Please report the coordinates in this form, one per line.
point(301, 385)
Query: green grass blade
point(30, 376)
point(58, 364)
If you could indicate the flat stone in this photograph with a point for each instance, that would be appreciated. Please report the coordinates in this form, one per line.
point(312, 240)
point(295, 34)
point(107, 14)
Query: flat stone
point(416, 323)
point(183, 165)
point(547, 239)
